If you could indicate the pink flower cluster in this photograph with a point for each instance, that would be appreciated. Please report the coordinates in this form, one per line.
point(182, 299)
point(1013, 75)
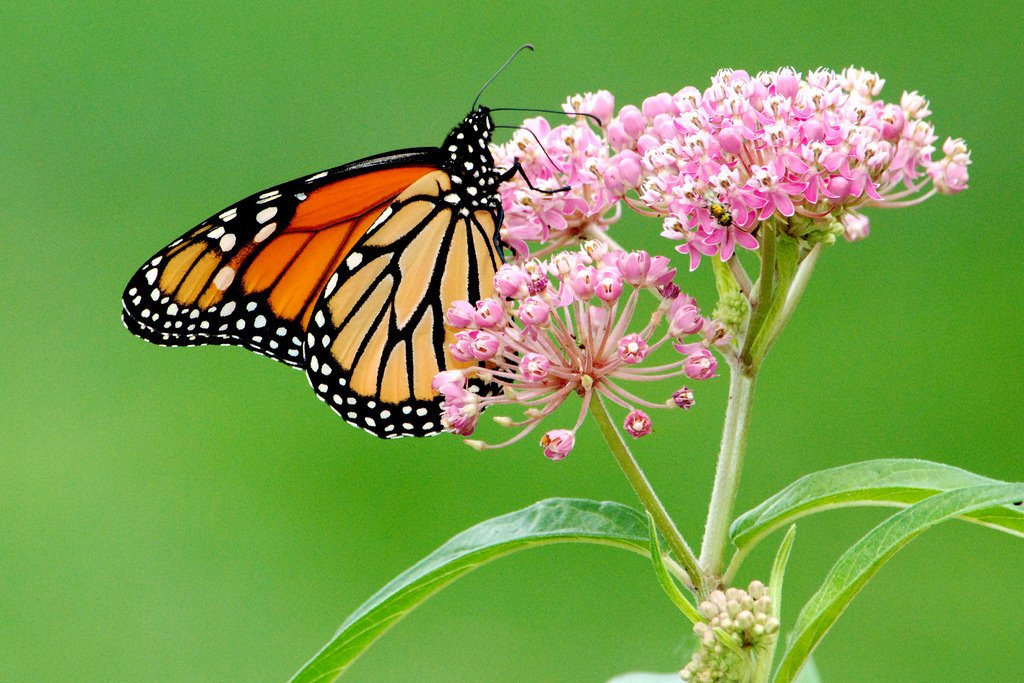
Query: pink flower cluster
point(808, 151)
point(570, 325)
point(572, 156)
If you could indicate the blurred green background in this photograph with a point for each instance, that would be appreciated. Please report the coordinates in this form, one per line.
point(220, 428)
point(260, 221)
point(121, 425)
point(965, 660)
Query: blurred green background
point(195, 515)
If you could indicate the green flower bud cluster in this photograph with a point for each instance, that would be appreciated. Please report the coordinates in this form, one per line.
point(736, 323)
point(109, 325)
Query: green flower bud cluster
point(732, 310)
point(740, 624)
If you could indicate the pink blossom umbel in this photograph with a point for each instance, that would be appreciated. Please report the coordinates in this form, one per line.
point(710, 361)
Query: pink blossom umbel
point(717, 163)
point(570, 325)
point(807, 151)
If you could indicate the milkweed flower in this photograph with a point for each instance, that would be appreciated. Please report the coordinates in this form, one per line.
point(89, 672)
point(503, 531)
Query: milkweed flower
point(571, 156)
point(807, 151)
point(810, 152)
point(571, 325)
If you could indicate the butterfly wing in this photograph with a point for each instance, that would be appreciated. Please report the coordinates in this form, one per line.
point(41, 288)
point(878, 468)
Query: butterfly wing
point(250, 275)
point(377, 335)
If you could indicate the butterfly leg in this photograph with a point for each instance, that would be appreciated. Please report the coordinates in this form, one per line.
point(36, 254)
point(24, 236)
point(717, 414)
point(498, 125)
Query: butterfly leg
point(517, 168)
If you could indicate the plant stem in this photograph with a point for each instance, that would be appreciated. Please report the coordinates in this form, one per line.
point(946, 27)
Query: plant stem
point(646, 494)
point(796, 290)
point(727, 474)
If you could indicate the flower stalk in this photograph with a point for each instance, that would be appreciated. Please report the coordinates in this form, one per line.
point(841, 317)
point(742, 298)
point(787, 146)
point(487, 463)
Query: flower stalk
point(727, 473)
point(649, 499)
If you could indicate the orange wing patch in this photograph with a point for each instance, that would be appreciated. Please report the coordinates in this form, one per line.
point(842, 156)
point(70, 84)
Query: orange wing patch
point(251, 275)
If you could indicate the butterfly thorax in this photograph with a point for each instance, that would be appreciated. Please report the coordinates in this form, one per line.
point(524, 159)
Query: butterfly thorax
point(468, 161)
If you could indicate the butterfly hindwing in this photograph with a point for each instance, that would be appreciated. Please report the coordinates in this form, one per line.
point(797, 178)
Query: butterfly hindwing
point(249, 275)
point(346, 273)
point(377, 336)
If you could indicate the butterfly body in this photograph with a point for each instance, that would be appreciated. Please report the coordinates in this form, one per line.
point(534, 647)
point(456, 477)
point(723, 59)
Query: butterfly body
point(345, 274)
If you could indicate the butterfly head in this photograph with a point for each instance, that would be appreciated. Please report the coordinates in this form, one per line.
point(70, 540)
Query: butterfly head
point(468, 161)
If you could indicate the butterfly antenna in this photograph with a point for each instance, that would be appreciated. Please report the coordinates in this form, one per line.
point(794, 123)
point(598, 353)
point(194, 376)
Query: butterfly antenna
point(552, 111)
point(564, 188)
point(526, 46)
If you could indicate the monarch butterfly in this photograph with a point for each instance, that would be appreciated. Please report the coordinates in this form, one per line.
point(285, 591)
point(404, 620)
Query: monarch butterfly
point(345, 274)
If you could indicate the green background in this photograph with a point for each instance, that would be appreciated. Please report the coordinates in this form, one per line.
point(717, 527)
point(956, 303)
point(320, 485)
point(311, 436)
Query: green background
point(195, 515)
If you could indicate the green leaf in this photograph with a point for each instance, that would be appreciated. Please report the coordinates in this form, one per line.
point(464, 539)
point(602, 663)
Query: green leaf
point(665, 579)
point(779, 569)
point(862, 561)
point(557, 520)
point(809, 674)
point(874, 482)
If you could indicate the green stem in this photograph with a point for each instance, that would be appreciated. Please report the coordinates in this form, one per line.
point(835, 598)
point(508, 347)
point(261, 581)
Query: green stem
point(762, 300)
point(796, 290)
point(646, 494)
point(727, 474)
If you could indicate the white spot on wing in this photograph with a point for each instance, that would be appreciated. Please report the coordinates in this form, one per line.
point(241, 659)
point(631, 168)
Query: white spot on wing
point(223, 280)
point(331, 284)
point(266, 214)
point(353, 260)
point(386, 214)
point(265, 232)
point(216, 233)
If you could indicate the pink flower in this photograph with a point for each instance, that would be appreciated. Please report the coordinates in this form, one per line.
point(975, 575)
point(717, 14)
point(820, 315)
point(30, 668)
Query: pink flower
point(633, 349)
point(461, 314)
point(581, 334)
point(717, 164)
point(534, 367)
point(488, 313)
point(533, 311)
point(558, 443)
point(572, 156)
point(638, 424)
point(608, 287)
point(684, 318)
point(510, 281)
point(950, 174)
point(700, 364)
point(683, 398)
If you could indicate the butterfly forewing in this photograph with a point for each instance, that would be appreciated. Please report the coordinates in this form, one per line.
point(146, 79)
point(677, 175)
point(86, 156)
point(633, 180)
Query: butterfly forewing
point(346, 273)
point(249, 275)
point(377, 336)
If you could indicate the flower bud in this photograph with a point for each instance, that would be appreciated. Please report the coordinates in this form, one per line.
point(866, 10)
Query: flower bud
point(638, 424)
point(632, 349)
point(683, 398)
point(583, 281)
point(700, 364)
point(684, 319)
point(533, 311)
point(461, 314)
point(489, 313)
point(634, 266)
point(558, 443)
point(511, 282)
point(608, 287)
point(534, 367)
point(448, 378)
point(632, 120)
point(730, 139)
